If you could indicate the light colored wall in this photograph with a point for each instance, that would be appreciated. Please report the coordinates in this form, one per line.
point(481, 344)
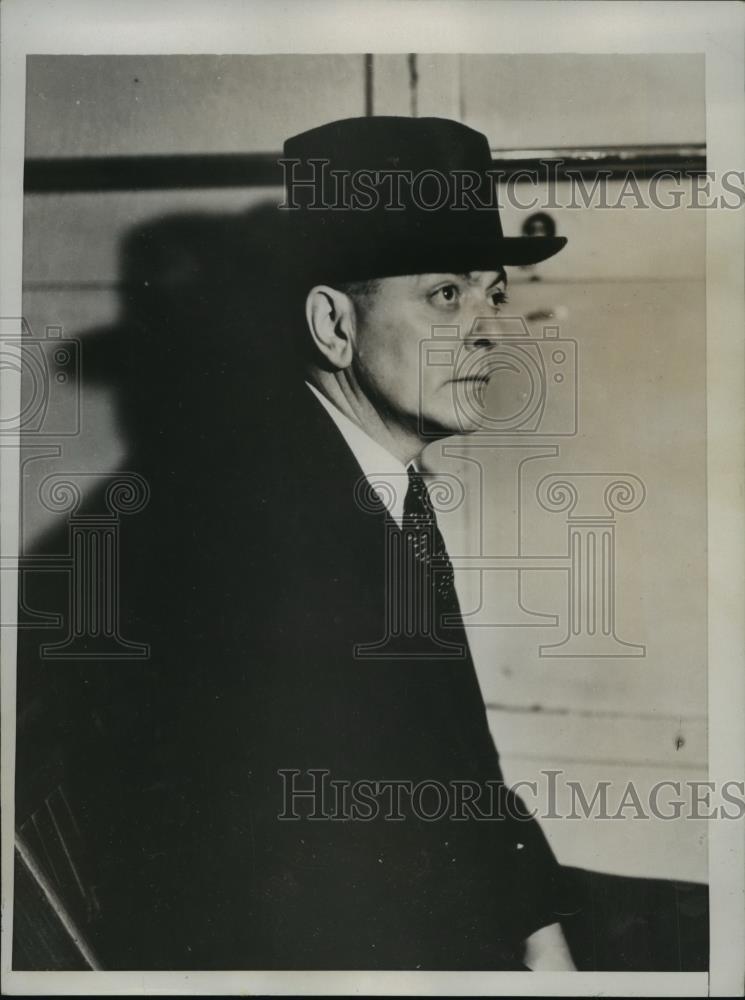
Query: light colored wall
point(119, 105)
point(128, 105)
point(558, 100)
point(631, 285)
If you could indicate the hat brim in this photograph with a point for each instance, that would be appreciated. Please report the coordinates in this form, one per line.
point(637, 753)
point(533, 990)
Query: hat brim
point(522, 250)
point(435, 257)
point(477, 254)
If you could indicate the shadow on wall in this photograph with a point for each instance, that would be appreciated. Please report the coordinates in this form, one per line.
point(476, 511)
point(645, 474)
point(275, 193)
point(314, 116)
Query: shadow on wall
point(205, 325)
point(198, 361)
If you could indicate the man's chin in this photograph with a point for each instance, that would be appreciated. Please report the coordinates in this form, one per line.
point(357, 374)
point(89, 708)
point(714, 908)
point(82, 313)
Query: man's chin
point(450, 425)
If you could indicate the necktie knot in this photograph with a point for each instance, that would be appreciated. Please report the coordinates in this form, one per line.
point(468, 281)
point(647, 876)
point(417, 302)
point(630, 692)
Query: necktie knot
point(418, 510)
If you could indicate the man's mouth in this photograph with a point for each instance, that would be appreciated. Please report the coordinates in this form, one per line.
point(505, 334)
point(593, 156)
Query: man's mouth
point(478, 385)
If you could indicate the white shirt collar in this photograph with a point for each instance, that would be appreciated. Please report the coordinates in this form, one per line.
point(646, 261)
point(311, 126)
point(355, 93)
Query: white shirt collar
point(385, 473)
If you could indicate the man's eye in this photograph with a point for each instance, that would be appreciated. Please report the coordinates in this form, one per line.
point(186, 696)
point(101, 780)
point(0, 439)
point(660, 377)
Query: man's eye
point(498, 297)
point(448, 294)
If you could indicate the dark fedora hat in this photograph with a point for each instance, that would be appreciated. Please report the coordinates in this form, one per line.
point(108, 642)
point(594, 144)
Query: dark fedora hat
point(381, 196)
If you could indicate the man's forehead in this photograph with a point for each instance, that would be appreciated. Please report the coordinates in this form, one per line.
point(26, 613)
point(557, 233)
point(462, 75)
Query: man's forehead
point(472, 277)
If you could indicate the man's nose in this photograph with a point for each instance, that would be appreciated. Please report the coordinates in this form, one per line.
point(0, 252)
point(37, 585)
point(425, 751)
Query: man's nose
point(482, 333)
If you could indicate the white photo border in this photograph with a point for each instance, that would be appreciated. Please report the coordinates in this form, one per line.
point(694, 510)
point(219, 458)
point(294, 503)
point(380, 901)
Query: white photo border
point(715, 29)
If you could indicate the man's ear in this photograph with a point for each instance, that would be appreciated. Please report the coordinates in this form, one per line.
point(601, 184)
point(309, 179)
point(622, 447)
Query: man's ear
point(331, 321)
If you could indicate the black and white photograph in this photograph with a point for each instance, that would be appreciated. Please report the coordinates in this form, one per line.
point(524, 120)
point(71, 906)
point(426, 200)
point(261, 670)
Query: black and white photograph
point(372, 532)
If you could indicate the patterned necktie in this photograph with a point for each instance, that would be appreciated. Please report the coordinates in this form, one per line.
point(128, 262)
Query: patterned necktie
point(427, 548)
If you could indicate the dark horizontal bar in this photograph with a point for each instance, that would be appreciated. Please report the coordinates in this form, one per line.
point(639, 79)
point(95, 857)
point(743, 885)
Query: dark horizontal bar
point(672, 151)
point(245, 170)
point(140, 173)
point(613, 163)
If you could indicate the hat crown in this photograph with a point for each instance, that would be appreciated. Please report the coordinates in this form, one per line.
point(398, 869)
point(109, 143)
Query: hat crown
point(389, 142)
point(388, 195)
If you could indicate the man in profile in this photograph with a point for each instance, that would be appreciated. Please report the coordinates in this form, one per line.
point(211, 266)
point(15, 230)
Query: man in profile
point(342, 538)
point(307, 638)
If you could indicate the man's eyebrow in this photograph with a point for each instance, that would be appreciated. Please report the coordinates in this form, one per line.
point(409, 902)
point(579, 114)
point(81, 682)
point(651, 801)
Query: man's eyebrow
point(501, 277)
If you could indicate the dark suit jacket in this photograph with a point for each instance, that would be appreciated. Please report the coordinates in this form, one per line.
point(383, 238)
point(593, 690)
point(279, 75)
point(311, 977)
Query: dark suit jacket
point(253, 574)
